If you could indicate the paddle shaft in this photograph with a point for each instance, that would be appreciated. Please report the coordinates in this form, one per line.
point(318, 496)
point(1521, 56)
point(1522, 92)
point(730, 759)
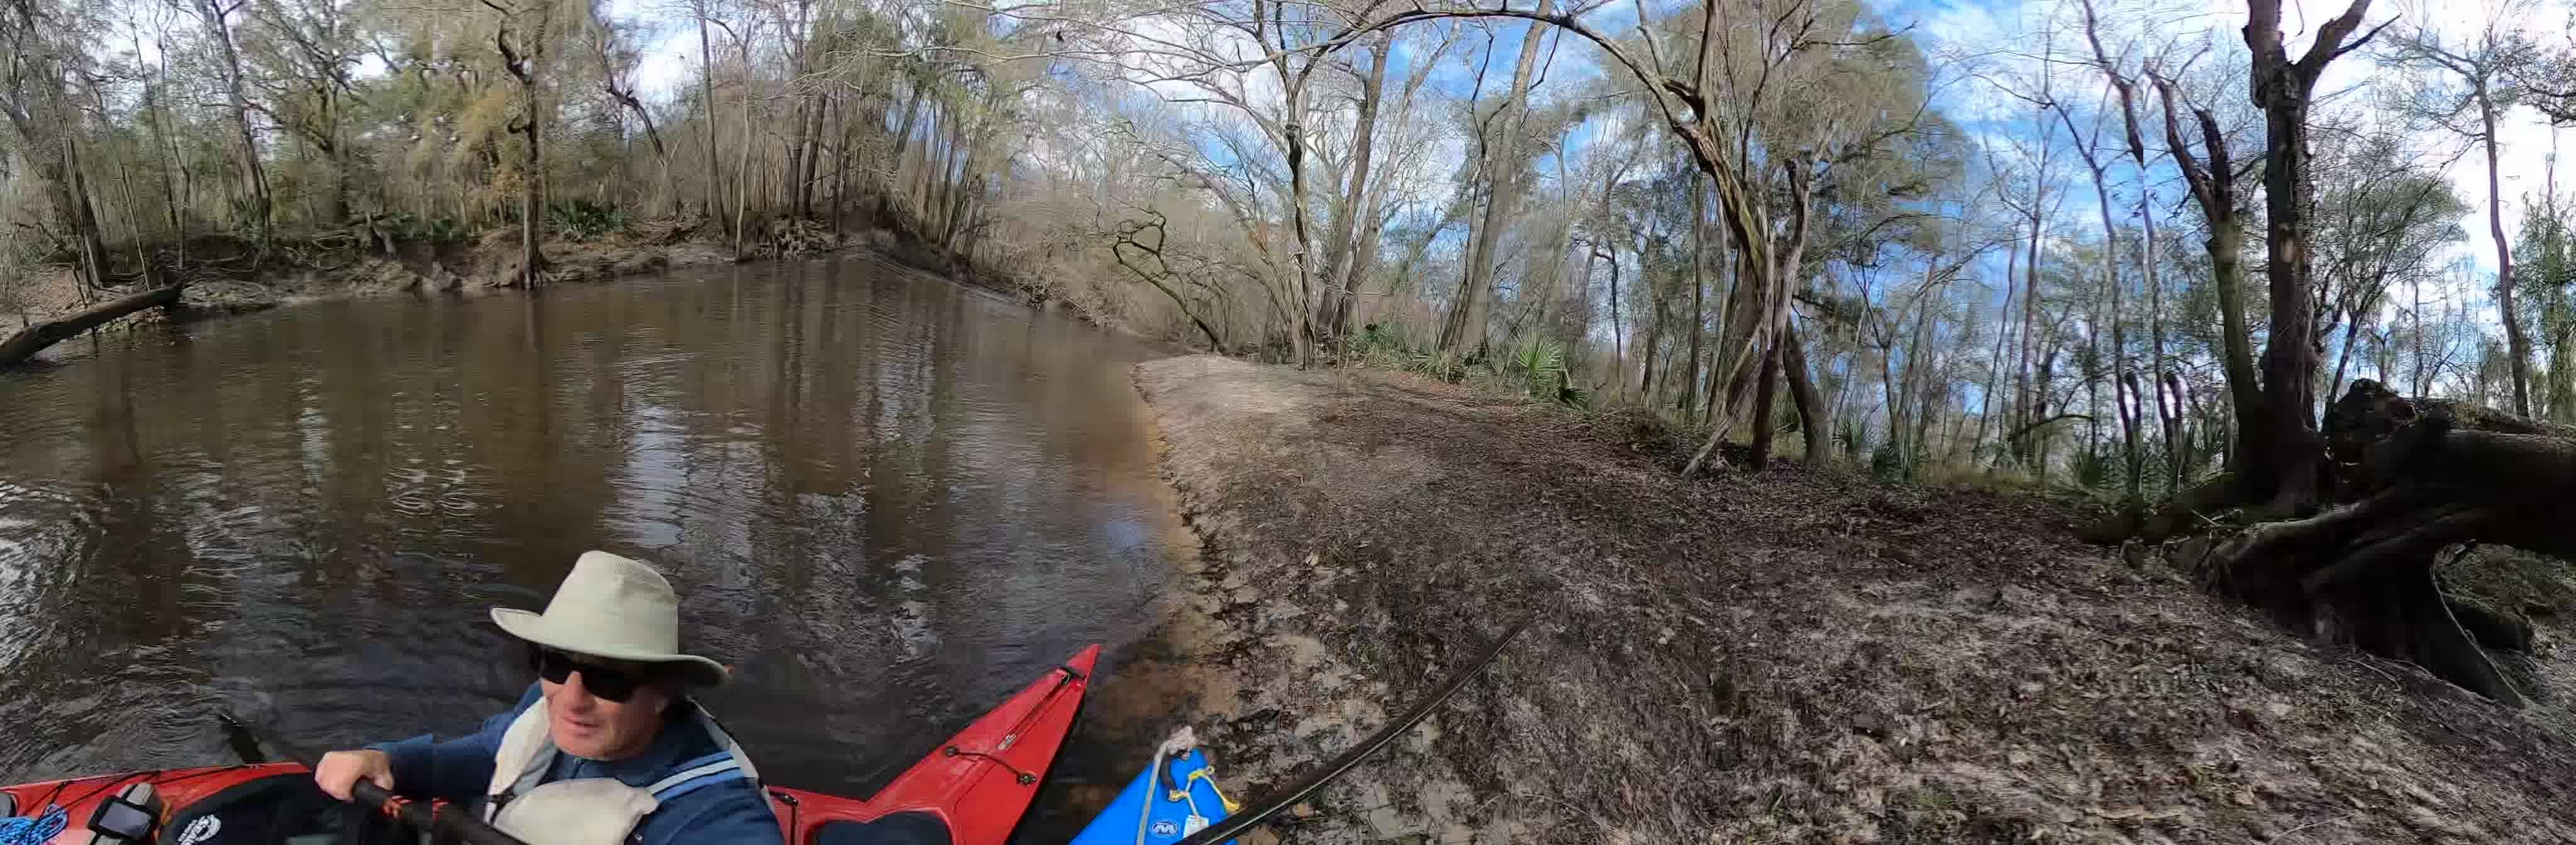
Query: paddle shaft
point(439, 818)
point(1236, 824)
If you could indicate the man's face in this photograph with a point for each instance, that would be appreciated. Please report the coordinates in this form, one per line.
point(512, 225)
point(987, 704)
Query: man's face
point(586, 725)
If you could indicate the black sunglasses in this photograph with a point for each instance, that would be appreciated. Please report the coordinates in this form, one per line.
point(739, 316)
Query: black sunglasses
point(608, 683)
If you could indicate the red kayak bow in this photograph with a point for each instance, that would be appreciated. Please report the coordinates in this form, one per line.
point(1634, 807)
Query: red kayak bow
point(969, 791)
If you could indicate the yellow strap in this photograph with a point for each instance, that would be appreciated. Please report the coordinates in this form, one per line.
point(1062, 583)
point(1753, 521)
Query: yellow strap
point(1202, 774)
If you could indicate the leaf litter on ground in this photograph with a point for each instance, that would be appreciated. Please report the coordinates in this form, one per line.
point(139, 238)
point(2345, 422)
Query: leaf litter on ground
point(1790, 656)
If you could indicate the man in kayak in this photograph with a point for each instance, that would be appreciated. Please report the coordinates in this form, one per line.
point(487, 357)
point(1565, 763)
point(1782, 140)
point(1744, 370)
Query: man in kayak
point(604, 748)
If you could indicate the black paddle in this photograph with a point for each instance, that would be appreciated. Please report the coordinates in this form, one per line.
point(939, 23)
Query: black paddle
point(1236, 824)
point(455, 823)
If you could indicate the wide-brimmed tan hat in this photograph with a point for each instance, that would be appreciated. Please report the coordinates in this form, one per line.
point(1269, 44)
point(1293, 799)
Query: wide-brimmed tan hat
point(614, 607)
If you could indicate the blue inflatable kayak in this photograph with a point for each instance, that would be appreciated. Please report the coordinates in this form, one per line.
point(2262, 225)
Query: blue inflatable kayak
point(1174, 797)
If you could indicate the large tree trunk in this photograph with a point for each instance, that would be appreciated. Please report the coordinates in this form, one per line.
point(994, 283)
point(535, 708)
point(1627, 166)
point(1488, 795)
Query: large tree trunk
point(1770, 263)
point(532, 201)
point(1463, 330)
point(68, 188)
point(2561, 393)
point(840, 162)
point(618, 92)
point(792, 174)
point(1710, 388)
point(1921, 370)
point(968, 185)
point(525, 67)
point(1618, 343)
point(255, 198)
point(1654, 322)
point(2279, 447)
point(1727, 411)
point(1765, 378)
point(2213, 185)
point(707, 94)
point(961, 206)
point(1689, 404)
point(813, 155)
point(1301, 313)
point(1995, 362)
point(2024, 398)
point(60, 171)
point(165, 146)
point(903, 133)
point(1774, 337)
point(1364, 258)
point(1348, 215)
point(1812, 424)
point(742, 186)
point(1887, 383)
point(2166, 412)
point(2125, 402)
point(2168, 407)
point(2516, 344)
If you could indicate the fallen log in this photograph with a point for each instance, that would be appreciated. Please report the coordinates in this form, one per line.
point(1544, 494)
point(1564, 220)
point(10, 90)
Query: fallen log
point(2417, 476)
point(25, 344)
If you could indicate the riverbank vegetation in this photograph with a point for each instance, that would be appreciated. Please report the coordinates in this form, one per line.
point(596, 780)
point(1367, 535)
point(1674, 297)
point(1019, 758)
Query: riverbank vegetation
point(2105, 247)
point(2055, 241)
point(266, 142)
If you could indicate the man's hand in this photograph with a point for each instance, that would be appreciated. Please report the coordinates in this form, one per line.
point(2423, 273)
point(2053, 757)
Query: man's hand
point(340, 771)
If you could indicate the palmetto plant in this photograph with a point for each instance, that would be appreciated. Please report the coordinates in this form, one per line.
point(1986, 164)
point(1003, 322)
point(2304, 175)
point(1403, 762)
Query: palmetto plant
point(1444, 366)
point(1541, 365)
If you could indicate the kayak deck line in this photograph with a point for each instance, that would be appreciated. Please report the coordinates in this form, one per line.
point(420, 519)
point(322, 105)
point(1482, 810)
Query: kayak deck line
point(1068, 675)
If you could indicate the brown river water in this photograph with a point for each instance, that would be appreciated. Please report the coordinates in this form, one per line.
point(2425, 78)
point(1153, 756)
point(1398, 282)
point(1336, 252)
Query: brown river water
point(887, 501)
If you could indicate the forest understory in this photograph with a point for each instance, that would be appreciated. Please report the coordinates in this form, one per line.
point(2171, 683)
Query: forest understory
point(1794, 655)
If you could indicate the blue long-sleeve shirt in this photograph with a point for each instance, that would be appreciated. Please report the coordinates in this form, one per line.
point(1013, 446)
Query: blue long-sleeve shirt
point(726, 811)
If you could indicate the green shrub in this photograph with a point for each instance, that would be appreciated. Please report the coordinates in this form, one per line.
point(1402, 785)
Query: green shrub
point(1855, 439)
point(1375, 338)
point(442, 229)
point(1444, 366)
point(584, 220)
point(1885, 463)
point(1540, 364)
point(2096, 469)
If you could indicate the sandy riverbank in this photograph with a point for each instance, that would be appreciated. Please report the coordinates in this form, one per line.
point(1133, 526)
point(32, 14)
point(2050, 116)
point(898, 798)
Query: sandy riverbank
point(1790, 657)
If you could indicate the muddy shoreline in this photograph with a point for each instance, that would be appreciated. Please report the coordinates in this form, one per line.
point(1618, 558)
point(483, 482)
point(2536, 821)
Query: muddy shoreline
point(1796, 656)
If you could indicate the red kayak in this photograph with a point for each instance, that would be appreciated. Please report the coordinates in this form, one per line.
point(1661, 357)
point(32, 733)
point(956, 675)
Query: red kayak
point(972, 790)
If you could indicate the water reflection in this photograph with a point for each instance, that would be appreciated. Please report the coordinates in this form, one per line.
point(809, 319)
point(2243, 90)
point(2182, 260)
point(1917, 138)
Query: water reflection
point(887, 501)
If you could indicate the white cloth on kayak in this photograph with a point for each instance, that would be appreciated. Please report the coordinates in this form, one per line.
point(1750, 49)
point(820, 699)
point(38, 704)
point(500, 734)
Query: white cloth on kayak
point(596, 810)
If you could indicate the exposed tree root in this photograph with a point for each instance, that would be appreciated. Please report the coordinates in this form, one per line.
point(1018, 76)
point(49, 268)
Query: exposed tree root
point(2421, 476)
